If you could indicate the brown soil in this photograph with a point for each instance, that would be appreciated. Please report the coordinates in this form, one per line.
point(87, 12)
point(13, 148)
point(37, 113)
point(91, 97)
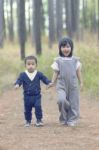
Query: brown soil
point(53, 136)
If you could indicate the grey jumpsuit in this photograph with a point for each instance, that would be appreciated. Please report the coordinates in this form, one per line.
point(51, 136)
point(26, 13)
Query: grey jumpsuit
point(67, 89)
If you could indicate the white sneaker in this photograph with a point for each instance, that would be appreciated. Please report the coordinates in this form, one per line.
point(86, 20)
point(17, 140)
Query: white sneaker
point(39, 123)
point(28, 124)
point(71, 124)
point(63, 122)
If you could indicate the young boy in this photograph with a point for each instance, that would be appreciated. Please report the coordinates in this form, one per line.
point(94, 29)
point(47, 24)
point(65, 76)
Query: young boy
point(30, 79)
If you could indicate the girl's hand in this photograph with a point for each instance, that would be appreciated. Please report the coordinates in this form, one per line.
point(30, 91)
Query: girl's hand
point(50, 85)
point(16, 86)
point(81, 86)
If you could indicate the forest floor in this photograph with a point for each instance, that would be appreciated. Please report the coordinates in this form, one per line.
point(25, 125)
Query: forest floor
point(53, 136)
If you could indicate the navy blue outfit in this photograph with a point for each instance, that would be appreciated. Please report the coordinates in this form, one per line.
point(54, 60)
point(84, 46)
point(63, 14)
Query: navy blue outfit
point(32, 94)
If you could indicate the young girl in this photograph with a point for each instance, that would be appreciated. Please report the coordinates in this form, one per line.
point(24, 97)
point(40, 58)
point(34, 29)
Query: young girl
point(67, 73)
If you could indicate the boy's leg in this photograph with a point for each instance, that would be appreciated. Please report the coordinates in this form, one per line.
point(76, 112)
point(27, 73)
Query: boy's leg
point(28, 109)
point(38, 111)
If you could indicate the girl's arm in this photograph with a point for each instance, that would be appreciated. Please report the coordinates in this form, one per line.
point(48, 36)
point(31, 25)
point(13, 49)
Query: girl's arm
point(79, 75)
point(54, 66)
point(54, 77)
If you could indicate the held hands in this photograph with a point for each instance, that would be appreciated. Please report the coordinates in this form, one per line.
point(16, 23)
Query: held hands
point(51, 84)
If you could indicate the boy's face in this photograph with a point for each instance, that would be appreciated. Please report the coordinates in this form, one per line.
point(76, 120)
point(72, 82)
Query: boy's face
point(31, 65)
point(66, 49)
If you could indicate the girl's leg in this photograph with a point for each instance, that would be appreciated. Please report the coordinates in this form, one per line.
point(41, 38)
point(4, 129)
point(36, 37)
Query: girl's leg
point(73, 112)
point(63, 105)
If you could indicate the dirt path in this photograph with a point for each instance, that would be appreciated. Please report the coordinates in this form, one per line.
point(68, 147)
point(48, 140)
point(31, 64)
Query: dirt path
point(53, 136)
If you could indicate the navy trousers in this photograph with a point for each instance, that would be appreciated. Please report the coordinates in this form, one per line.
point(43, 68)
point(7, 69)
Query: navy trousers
point(29, 103)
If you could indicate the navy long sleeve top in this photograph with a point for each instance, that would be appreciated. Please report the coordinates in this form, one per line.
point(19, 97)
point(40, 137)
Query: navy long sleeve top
point(32, 87)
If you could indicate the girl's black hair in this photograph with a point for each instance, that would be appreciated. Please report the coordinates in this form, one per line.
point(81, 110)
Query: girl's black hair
point(30, 58)
point(63, 42)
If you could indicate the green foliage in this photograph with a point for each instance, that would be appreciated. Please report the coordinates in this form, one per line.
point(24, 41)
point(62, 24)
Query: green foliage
point(90, 67)
point(44, 63)
point(10, 65)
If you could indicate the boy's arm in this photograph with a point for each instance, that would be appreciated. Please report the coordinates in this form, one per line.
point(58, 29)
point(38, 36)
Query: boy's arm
point(16, 86)
point(43, 78)
point(18, 82)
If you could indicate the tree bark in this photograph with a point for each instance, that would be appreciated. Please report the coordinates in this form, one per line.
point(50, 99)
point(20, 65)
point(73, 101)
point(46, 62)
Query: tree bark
point(21, 27)
point(59, 19)
point(37, 25)
point(51, 22)
point(69, 17)
point(11, 31)
point(1, 23)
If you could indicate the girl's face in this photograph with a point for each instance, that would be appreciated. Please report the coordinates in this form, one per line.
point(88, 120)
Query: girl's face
point(66, 49)
point(31, 65)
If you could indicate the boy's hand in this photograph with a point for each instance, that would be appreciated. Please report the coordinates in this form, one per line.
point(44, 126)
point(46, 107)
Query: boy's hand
point(16, 86)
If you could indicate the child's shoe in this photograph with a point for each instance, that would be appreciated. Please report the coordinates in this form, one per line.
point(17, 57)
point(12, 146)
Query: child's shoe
point(63, 122)
point(27, 124)
point(39, 123)
point(71, 124)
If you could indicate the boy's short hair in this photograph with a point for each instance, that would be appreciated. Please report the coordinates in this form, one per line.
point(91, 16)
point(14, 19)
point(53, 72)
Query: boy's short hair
point(30, 58)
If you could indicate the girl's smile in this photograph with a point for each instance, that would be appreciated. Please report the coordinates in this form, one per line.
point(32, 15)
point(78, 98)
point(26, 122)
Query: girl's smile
point(66, 49)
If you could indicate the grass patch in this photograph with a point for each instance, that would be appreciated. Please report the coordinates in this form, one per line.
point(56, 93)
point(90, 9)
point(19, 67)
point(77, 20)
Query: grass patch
point(90, 67)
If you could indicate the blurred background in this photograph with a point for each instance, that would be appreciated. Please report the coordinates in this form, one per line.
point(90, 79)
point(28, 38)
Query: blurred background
point(34, 27)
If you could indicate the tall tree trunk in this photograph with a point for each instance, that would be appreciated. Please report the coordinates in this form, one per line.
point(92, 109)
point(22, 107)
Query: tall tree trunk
point(83, 18)
point(11, 31)
point(37, 25)
point(68, 8)
point(85, 14)
point(21, 27)
point(4, 26)
point(29, 19)
point(75, 18)
point(42, 18)
point(1, 23)
point(93, 17)
point(51, 22)
point(98, 25)
point(59, 19)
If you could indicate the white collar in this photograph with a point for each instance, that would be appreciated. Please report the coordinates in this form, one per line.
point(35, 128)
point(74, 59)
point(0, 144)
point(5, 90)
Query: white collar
point(66, 58)
point(31, 75)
